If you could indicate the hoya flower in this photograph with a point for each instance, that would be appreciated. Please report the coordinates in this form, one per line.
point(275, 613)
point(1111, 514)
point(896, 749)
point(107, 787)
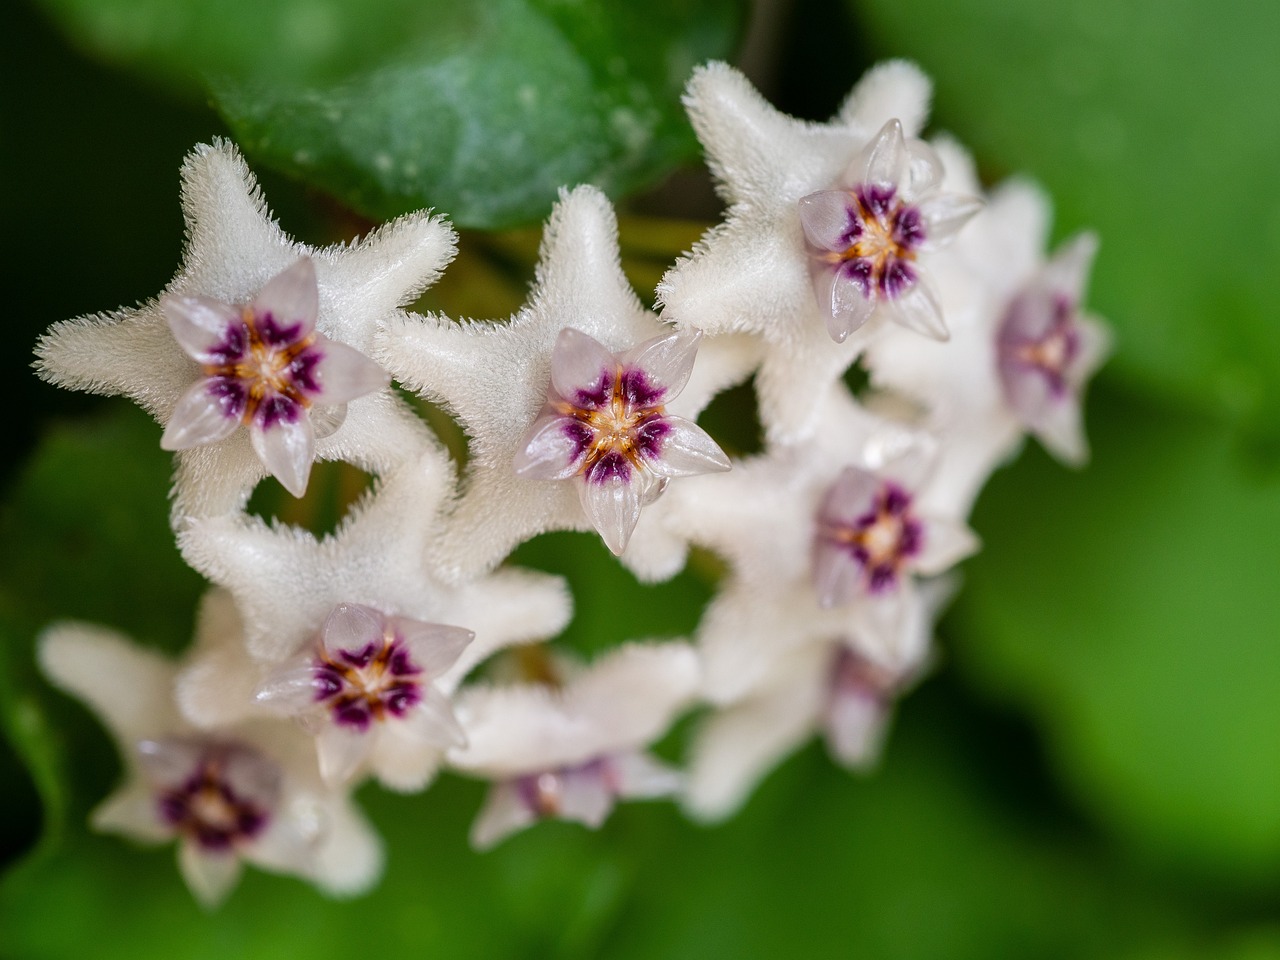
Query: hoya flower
point(244, 794)
point(870, 533)
point(367, 689)
point(495, 378)
point(264, 365)
point(605, 426)
point(865, 237)
point(570, 752)
point(826, 224)
point(833, 684)
point(167, 353)
point(1047, 349)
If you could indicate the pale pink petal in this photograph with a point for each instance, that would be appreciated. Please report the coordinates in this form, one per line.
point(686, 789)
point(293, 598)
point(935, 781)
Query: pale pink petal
point(1059, 427)
point(286, 450)
point(578, 363)
point(434, 647)
point(351, 627)
point(551, 449)
point(924, 171)
point(290, 689)
point(666, 361)
point(345, 373)
point(432, 721)
point(132, 811)
point(1092, 348)
point(199, 417)
point(845, 304)
point(252, 776)
point(1027, 391)
point(282, 847)
point(855, 727)
point(613, 507)
point(887, 160)
point(503, 813)
point(946, 543)
point(826, 217)
point(210, 876)
point(291, 296)
point(170, 760)
point(944, 215)
point(585, 798)
point(836, 574)
point(340, 751)
point(686, 450)
point(917, 308)
point(852, 495)
point(200, 324)
point(1067, 271)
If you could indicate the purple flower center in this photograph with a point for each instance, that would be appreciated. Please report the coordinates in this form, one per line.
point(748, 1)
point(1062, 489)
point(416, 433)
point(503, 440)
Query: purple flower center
point(543, 793)
point(880, 242)
point(368, 685)
point(264, 370)
point(882, 539)
point(207, 807)
point(1050, 355)
point(616, 425)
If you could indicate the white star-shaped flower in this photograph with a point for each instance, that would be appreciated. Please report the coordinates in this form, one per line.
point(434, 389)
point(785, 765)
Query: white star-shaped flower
point(248, 793)
point(570, 751)
point(286, 584)
point(494, 378)
point(234, 252)
point(824, 226)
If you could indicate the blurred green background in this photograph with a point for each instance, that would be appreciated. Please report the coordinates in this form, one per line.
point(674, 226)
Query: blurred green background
point(1093, 770)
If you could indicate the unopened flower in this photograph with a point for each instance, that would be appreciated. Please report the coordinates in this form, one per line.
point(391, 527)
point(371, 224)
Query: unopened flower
point(367, 690)
point(264, 365)
point(493, 377)
point(572, 751)
point(210, 326)
point(1047, 350)
point(605, 425)
point(825, 223)
point(244, 794)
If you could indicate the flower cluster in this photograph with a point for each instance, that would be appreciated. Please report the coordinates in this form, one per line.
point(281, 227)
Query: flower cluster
point(319, 662)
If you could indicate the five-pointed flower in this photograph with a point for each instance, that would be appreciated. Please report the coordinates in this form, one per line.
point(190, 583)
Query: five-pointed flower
point(366, 688)
point(605, 425)
point(237, 256)
point(265, 365)
point(826, 221)
point(494, 378)
point(570, 751)
point(1047, 349)
point(248, 793)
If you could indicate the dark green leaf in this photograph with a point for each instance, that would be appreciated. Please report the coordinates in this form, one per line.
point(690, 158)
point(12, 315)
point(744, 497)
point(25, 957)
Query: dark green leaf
point(480, 110)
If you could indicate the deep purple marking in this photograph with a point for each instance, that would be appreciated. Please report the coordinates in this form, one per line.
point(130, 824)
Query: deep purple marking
point(276, 409)
point(580, 435)
point(639, 390)
point(177, 808)
point(326, 682)
point(598, 396)
point(401, 698)
point(304, 369)
point(859, 271)
point(650, 435)
point(853, 228)
point(613, 465)
point(897, 277)
point(353, 713)
point(276, 335)
point(876, 198)
point(360, 658)
point(882, 579)
point(234, 345)
point(401, 663)
point(908, 228)
point(895, 500)
point(230, 394)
